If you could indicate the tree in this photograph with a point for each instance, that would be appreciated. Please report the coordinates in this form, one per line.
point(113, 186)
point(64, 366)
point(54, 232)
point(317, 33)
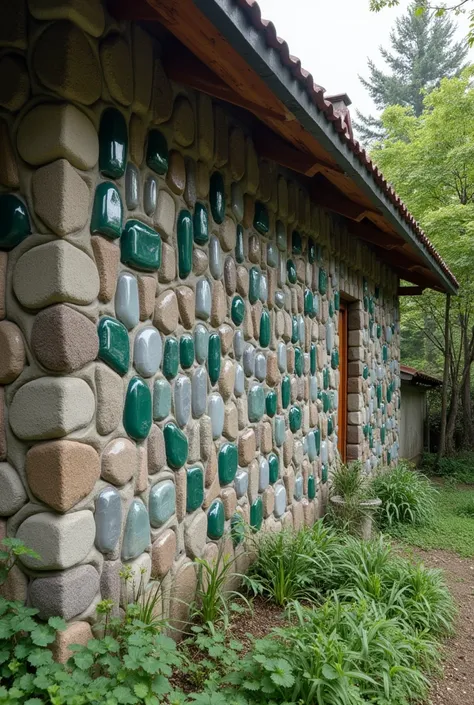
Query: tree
point(422, 53)
point(430, 161)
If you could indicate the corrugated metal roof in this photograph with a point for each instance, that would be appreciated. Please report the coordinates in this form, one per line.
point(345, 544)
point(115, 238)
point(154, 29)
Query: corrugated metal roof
point(316, 93)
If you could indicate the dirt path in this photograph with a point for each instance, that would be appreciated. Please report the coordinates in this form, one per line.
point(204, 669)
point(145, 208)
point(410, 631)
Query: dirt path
point(456, 687)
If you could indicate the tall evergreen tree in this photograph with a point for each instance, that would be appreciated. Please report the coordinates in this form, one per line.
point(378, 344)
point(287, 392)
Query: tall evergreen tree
point(423, 51)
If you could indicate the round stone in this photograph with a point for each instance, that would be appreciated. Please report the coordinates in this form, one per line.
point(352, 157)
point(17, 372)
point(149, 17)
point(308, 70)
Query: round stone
point(182, 400)
point(162, 553)
point(137, 412)
point(108, 519)
point(215, 520)
point(215, 410)
point(183, 121)
point(199, 392)
point(136, 535)
point(13, 495)
point(12, 352)
point(166, 312)
point(127, 306)
point(117, 68)
point(147, 351)
point(119, 460)
point(162, 502)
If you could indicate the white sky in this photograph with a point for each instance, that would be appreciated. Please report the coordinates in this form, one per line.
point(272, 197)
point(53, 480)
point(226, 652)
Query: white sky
point(333, 39)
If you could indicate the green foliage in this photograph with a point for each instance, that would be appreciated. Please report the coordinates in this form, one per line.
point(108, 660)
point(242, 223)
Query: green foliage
point(10, 551)
point(408, 497)
point(458, 467)
point(349, 482)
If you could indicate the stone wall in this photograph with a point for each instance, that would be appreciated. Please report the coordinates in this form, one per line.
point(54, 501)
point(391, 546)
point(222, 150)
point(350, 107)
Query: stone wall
point(169, 314)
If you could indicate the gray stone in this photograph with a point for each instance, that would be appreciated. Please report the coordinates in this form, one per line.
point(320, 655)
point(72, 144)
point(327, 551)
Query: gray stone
point(279, 430)
point(203, 299)
point(66, 594)
point(149, 195)
point(199, 392)
point(263, 475)
point(272, 255)
point(239, 382)
point(132, 186)
point(280, 500)
point(108, 519)
point(241, 483)
point(147, 351)
point(298, 492)
point(127, 307)
point(249, 360)
point(12, 495)
point(216, 263)
point(161, 399)
point(311, 446)
point(281, 357)
point(301, 330)
point(238, 344)
point(215, 409)
point(324, 452)
point(162, 502)
point(136, 536)
point(329, 336)
point(263, 288)
point(313, 388)
point(280, 236)
point(201, 343)
point(279, 298)
point(230, 275)
point(256, 403)
point(237, 201)
point(110, 583)
point(260, 366)
point(182, 400)
point(61, 540)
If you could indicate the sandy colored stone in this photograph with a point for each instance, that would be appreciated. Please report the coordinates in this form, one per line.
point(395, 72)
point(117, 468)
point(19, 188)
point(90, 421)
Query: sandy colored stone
point(230, 275)
point(86, 14)
point(3, 437)
point(205, 127)
point(176, 174)
point(156, 450)
point(227, 234)
point(273, 373)
point(268, 500)
point(165, 214)
point(227, 379)
point(107, 258)
point(186, 306)
point(195, 533)
point(116, 63)
point(229, 500)
point(60, 473)
point(167, 271)
point(211, 492)
point(62, 339)
point(109, 390)
point(75, 633)
point(182, 592)
point(166, 312)
point(51, 407)
point(119, 461)
point(180, 481)
point(288, 450)
point(200, 261)
point(162, 94)
point(219, 304)
point(242, 280)
point(237, 153)
point(202, 179)
point(146, 296)
point(65, 62)
point(226, 334)
point(136, 139)
point(162, 553)
point(141, 477)
point(52, 131)
point(221, 137)
point(9, 176)
point(3, 282)
point(205, 433)
point(211, 467)
point(183, 122)
point(13, 25)
point(61, 197)
point(231, 421)
point(247, 324)
point(12, 352)
point(14, 82)
point(254, 249)
point(266, 438)
point(142, 58)
point(247, 447)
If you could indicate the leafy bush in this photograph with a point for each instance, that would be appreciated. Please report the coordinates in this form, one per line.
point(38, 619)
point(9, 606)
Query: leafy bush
point(408, 497)
point(459, 467)
point(352, 485)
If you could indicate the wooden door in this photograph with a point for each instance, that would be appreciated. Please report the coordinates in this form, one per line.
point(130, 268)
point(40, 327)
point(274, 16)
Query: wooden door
point(342, 397)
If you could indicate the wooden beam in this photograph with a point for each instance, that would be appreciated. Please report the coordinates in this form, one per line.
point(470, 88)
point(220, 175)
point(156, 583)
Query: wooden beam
point(410, 290)
point(271, 146)
point(328, 196)
point(126, 10)
point(370, 233)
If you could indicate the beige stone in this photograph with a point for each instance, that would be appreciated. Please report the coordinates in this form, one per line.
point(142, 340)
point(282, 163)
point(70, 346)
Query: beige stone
point(86, 14)
point(107, 258)
point(211, 493)
point(227, 234)
point(254, 249)
point(219, 304)
point(226, 334)
point(298, 515)
point(61, 197)
point(268, 500)
point(242, 280)
point(186, 306)
point(181, 493)
point(61, 473)
point(67, 274)
point(119, 461)
point(230, 275)
point(3, 438)
point(162, 553)
point(12, 352)
point(182, 593)
point(156, 450)
point(194, 442)
point(221, 137)
point(288, 449)
point(14, 82)
point(9, 176)
point(195, 533)
point(63, 340)
point(252, 167)
point(247, 447)
point(13, 25)
point(162, 94)
point(248, 322)
point(227, 379)
point(109, 390)
point(167, 271)
point(166, 312)
point(237, 153)
point(266, 438)
point(273, 373)
point(136, 139)
point(183, 122)
point(116, 63)
point(146, 296)
point(200, 261)
point(13, 495)
point(65, 63)
point(231, 421)
point(229, 500)
point(211, 467)
point(165, 214)
point(141, 478)
point(52, 131)
point(205, 127)
point(15, 587)
point(75, 633)
point(242, 412)
point(253, 473)
point(205, 433)
point(142, 57)
point(3, 282)
point(176, 174)
point(202, 180)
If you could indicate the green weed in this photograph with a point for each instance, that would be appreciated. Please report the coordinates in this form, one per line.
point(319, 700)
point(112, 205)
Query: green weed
point(408, 497)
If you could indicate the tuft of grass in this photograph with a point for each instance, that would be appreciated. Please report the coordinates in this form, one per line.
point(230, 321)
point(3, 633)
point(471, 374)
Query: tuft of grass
point(408, 497)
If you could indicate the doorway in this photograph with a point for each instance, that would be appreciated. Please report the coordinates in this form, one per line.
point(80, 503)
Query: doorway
point(342, 397)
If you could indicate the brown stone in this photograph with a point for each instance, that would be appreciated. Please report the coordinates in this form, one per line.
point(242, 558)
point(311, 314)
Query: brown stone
point(227, 379)
point(183, 122)
point(156, 450)
point(60, 473)
point(200, 261)
point(242, 411)
point(146, 296)
point(162, 94)
point(226, 334)
point(12, 352)
point(288, 449)
point(137, 137)
point(219, 304)
point(273, 373)
point(107, 258)
point(183, 593)
point(231, 421)
point(75, 633)
point(109, 390)
point(162, 553)
point(8, 165)
point(256, 314)
point(248, 322)
point(61, 197)
point(167, 271)
point(268, 500)
point(141, 478)
point(116, 63)
point(254, 249)
point(176, 174)
point(266, 438)
point(247, 447)
point(230, 276)
point(166, 312)
point(14, 82)
point(237, 153)
point(63, 339)
point(180, 481)
point(249, 211)
point(211, 467)
point(186, 306)
point(3, 437)
point(15, 588)
point(205, 433)
point(119, 461)
point(242, 281)
point(229, 500)
point(227, 234)
point(142, 60)
point(211, 493)
point(165, 214)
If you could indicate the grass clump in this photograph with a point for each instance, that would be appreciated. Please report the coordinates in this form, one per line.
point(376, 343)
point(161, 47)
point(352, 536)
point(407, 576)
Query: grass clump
point(408, 497)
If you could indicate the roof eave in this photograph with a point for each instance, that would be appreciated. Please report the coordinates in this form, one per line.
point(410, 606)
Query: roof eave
point(233, 24)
